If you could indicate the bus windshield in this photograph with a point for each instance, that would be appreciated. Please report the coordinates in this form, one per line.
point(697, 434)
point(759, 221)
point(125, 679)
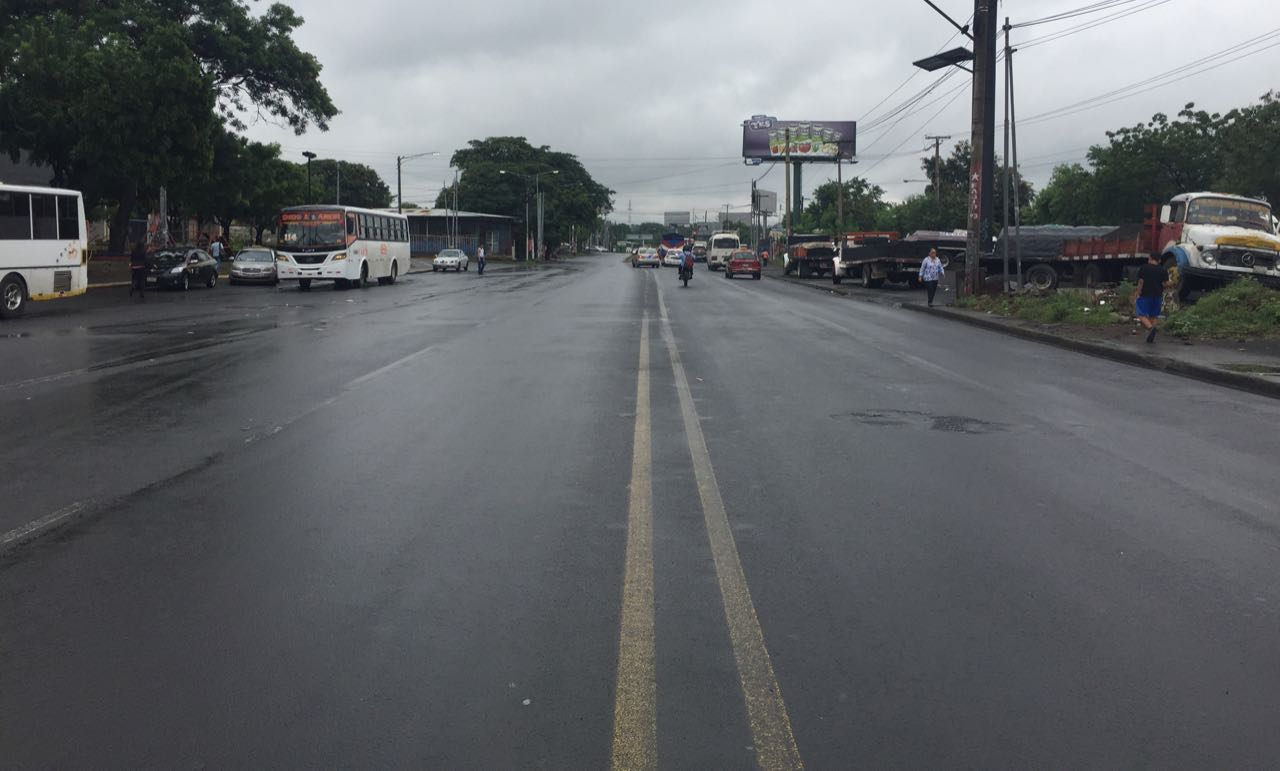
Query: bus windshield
point(1226, 211)
point(312, 231)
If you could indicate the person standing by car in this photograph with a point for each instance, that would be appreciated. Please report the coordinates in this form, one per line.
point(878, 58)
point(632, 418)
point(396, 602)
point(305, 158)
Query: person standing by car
point(215, 251)
point(1149, 298)
point(480, 260)
point(138, 270)
point(931, 272)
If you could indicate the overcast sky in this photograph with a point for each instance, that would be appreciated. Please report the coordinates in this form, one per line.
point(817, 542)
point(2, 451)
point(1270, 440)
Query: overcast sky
point(651, 95)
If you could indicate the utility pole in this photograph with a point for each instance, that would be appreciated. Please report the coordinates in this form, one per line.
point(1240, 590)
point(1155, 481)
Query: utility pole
point(788, 186)
point(755, 217)
point(337, 189)
point(937, 166)
point(983, 141)
point(839, 207)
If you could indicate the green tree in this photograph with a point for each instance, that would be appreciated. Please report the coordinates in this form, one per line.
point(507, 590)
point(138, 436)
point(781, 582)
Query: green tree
point(497, 177)
point(126, 96)
point(361, 185)
point(1251, 151)
point(1154, 161)
point(863, 206)
point(1068, 199)
point(918, 212)
point(946, 208)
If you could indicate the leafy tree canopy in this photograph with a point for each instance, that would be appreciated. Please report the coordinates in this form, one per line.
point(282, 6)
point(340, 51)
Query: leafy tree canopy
point(496, 175)
point(126, 95)
point(361, 185)
point(1153, 161)
point(863, 205)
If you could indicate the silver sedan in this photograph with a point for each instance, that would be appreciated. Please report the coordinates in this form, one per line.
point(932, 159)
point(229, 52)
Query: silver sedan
point(451, 258)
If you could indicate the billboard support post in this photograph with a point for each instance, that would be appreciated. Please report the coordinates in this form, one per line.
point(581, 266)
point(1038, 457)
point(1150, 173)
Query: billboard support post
point(788, 170)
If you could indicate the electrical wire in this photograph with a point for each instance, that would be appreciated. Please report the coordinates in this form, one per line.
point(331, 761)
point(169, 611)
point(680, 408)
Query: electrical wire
point(1082, 11)
point(914, 72)
point(1197, 67)
point(933, 117)
point(1033, 42)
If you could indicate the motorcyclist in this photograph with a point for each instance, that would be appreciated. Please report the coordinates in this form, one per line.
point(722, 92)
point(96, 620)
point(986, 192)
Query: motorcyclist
point(686, 261)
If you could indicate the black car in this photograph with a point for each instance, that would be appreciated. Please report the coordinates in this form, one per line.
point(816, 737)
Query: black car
point(180, 267)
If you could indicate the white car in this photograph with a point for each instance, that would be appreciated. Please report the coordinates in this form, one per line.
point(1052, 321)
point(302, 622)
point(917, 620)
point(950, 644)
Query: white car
point(450, 258)
point(672, 258)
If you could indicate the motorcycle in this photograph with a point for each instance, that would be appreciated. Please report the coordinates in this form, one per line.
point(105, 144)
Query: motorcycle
point(686, 273)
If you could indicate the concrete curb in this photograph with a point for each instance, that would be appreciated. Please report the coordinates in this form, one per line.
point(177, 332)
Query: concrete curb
point(1214, 375)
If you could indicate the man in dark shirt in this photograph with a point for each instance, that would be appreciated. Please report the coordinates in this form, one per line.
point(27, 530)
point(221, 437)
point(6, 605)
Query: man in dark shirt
point(138, 270)
point(1150, 296)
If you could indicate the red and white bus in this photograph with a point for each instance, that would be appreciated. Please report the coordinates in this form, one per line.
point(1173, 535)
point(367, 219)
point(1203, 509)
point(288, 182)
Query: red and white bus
point(343, 244)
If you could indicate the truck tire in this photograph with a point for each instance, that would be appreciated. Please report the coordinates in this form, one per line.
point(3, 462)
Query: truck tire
point(1090, 276)
point(1181, 284)
point(868, 282)
point(804, 270)
point(1042, 277)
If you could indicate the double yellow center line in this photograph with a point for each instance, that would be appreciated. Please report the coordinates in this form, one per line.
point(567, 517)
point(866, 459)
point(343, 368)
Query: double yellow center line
point(635, 710)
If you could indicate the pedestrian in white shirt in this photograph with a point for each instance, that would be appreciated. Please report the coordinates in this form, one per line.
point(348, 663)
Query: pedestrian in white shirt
point(931, 272)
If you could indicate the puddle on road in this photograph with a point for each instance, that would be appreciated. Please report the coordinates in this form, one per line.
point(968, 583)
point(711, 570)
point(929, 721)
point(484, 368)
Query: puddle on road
point(954, 424)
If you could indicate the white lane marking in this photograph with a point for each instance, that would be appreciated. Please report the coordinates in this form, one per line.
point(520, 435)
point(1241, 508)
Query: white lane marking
point(773, 738)
point(43, 524)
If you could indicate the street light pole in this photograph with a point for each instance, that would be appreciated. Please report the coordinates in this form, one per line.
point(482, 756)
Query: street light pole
point(399, 192)
point(309, 156)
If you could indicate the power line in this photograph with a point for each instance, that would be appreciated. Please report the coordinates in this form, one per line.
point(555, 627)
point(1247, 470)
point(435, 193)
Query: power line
point(1033, 42)
point(914, 72)
point(933, 117)
point(1082, 11)
point(1197, 67)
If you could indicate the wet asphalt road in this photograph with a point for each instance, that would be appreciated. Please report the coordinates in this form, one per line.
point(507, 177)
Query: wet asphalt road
point(405, 527)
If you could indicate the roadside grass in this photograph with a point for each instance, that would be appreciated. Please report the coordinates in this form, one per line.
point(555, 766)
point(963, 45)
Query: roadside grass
point(1241, 309)
point(1065, 306)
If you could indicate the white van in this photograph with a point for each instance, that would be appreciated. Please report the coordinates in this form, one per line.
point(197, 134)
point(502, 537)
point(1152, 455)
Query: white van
point(719, 247)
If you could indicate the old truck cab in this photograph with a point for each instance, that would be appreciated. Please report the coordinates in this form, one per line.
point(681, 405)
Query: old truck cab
point(1208, 238)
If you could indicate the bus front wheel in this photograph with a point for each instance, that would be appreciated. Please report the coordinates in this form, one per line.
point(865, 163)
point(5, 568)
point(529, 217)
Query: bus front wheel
point(13, 297)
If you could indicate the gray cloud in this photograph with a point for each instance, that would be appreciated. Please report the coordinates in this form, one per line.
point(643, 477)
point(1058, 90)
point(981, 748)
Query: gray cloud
point(651, 95)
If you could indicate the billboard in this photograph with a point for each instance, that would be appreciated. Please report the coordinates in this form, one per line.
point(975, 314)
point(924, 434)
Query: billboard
point(675, 218)
point(766, 202)
point(768, 138)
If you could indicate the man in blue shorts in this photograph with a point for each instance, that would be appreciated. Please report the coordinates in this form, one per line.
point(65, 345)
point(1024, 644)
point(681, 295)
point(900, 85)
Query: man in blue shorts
point(1150, 296)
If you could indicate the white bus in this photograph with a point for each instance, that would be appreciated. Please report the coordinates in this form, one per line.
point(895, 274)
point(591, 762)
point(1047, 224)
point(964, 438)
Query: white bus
point(343, 244)
point(44, 253)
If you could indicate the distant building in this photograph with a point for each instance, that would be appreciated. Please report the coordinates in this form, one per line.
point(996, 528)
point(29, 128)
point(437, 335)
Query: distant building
point(429, 231)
